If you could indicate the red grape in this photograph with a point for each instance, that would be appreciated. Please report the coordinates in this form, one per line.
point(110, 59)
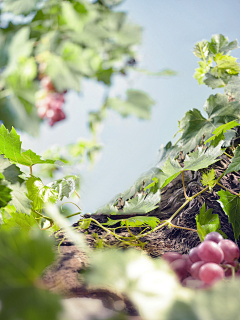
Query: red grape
point(193, 254)
point(47, 83)
point(179, 266)
point(171, 256)
point(211, 273)
point(194, 270)
point(230, 250)
point(189, 264)
point(214, 236)
point(210, 251)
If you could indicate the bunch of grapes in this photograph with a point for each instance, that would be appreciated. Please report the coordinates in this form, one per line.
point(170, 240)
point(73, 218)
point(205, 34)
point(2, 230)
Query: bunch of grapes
point(49, 102)
point(211, 261)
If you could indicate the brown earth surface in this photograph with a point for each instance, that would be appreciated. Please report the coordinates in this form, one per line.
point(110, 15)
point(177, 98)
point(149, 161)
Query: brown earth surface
point(63, 277)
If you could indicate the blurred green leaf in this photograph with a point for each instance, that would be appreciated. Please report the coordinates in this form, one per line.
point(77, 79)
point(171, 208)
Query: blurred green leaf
point(17, 220)
point(19, 6)
point(235, 162)
point(137, 103)
point(65, 186)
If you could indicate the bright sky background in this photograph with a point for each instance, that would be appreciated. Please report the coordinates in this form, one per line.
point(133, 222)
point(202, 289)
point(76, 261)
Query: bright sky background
point(171, 28)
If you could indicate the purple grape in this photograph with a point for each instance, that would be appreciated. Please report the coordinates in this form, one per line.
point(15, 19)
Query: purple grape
point(194, 270)
point(213, 236)
point(230, 250)
point(211, 273)
point(193, 254)
point(171, 256)
point(210, 251)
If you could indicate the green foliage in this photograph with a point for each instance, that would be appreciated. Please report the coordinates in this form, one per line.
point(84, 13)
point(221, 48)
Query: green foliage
point(136, 221)
point(219, 131)
point(231, 206)
point(218, 51)
point(10, 146)
point(5, 194)
point(137, 103)
point(23, 258)
point(199, 159)
point(235, 163)
point(208, 179)
point(40, 194)
point(13, 219)
point(207, 222)
point(64, 186)
point(194, 126)
point(142, 203)
point(153, 186)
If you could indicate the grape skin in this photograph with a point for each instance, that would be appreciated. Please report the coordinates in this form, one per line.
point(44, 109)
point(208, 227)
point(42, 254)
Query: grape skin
point(211, 273)
point(210, 251)
point(214, 236)
point(230, 250)
point(193, 254)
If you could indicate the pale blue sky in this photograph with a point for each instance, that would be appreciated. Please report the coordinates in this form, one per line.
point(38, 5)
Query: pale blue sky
point(171, 28)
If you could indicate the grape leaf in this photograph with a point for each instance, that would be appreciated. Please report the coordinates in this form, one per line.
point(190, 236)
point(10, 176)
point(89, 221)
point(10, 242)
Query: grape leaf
point(23, 257)
point(209, 179)
point(235, 162)
point(19, 198)
point(153, 186)
point(138, 103)
point(40, 194)
point(19, 6)
point(194, 126)
point(213, 82)
point(5, 194)
point(233, 87)
point(230, 204)
point(142, 203)
point(218, 42)
point(225, 63)
point(64, 187)
point(140, 221)
point(201, 49)
point(222, 129)
point(166, 151)
point(207, 222)
point(10, 146)
point(10, 171)
point(204, 67)
point(18, 220)
point(194, 161)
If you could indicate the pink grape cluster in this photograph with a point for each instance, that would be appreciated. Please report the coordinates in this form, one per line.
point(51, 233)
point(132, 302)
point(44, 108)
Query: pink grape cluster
point(211, 261)
point(49, 102)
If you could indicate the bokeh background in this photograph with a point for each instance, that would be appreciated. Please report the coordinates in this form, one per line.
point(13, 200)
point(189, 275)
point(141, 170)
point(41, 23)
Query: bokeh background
point(171, 29)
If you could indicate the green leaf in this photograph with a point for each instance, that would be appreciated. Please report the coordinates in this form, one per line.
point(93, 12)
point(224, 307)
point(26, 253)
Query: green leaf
point(230, 204)
point(65, 186)
point(142, 203)
point(213, 82)
point(201, 49)
point(194, 126)
point(140, 221)
point(199, 159)
point(235, 162)
point(105, 75)
point(19, 6)
point(207, 222)
point(208, 179)
point(148, 283)
point(23, 258)
point(10, 146)
point(204, 67)
point(40, 194)
point(153, 186)
point(233, 87)
point(218, 42)
point(163, 73)
point(222, 129)
point(11, 172)
point(5, 195)
point(225, 63)
point(138, 103)
point(18, 220)
point(19, 198)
